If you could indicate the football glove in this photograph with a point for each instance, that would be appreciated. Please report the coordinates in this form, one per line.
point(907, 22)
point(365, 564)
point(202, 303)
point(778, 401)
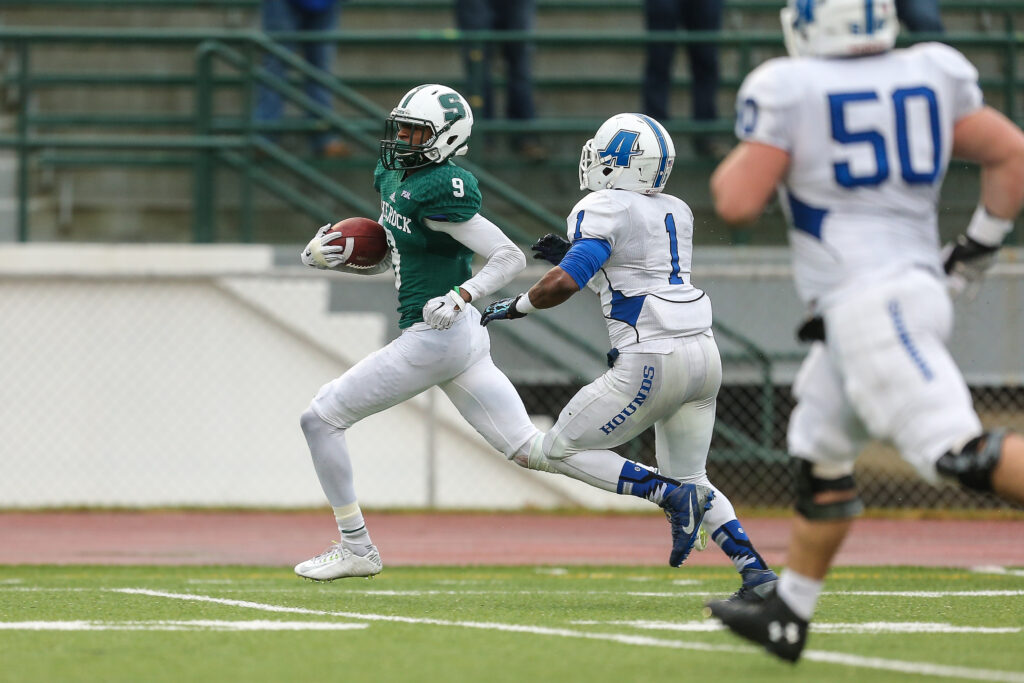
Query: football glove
point(551, 248)
point(441, 311)
point(502, 309)
point(320, 253)
point(811, 330)
point(965, 261)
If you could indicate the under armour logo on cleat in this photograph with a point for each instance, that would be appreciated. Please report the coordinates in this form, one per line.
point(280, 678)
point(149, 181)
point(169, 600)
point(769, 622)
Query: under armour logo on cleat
point(790, 632)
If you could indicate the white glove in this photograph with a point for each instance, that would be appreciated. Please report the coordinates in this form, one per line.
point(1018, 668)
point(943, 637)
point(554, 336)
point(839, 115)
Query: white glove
point(441, 311)
point(320, 253)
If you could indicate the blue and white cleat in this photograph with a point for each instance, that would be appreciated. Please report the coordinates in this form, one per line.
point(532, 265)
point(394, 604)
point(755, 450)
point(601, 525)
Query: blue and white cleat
point(684, 509)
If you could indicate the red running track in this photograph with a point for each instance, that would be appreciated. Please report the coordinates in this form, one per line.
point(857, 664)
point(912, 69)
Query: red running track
point(282, 539)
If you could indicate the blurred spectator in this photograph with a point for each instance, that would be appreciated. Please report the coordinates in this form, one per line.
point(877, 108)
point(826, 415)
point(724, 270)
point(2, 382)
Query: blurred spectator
point(501, 15)
point(920, 15)
point(691, 15)
point(301, 15)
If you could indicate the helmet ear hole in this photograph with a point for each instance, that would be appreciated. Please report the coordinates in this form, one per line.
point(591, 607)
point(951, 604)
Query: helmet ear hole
point(606, 171)
point(452, 139)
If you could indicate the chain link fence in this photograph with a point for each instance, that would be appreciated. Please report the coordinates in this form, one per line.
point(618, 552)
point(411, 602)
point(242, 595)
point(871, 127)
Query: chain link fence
point(135, 376)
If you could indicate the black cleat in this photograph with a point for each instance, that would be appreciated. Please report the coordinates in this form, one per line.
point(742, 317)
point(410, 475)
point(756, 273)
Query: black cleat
point(771, 624)
point(684, 509)
point(757, 585)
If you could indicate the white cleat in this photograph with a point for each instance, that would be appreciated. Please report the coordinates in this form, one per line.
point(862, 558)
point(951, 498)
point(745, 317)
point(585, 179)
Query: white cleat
point(338, 562)
point(702, 540)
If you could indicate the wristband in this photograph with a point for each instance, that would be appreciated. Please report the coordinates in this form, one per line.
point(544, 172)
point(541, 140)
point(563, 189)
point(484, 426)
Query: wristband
point(524, 305)
point(455, 294)
point(986, 229)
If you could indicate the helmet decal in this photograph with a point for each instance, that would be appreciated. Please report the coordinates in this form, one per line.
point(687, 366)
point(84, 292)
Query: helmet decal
point(621, 148)
point(660, 179)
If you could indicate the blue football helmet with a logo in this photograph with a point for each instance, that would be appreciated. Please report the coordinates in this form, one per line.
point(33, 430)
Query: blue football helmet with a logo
point(628, 152)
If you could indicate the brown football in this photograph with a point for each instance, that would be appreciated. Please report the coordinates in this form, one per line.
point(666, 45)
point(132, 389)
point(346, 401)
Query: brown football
point(364, 240)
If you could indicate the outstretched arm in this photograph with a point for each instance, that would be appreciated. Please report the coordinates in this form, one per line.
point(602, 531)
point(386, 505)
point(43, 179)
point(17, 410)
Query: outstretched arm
point(573, 273)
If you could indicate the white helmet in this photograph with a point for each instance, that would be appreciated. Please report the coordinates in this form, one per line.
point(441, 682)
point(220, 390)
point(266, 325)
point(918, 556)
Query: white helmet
point(438, 108)
point(628, 152)
point(839, 28)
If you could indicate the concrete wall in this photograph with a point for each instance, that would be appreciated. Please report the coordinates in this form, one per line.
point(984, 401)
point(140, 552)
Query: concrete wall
point(175, 375)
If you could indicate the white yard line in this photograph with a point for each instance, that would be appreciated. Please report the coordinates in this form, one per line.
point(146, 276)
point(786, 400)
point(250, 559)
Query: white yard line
point(872, 628)
point(194, 625)
point(993, 569)
point(858, 661)
point(637, 594)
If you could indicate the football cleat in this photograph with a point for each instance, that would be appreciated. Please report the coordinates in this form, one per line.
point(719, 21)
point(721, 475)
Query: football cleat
point(771, 624)
point(701, 542)
point(338, 562)
point(757, 585)
point(684, 508)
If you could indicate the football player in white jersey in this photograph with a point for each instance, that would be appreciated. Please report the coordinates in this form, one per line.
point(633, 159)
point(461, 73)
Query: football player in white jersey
point(429, 208)
point(632, 244)
point(857, 137)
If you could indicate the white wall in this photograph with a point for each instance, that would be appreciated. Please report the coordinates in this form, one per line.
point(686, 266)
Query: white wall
point(175, 375)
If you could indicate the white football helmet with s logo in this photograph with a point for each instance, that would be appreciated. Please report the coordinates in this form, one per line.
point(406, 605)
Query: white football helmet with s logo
point(839, 28)
point(446, 116)
point(628, 152)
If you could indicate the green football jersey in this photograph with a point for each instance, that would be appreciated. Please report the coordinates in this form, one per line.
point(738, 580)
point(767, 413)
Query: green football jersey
point(427, 263)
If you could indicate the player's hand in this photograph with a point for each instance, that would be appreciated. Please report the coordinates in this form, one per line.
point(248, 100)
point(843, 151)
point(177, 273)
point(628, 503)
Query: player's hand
point(811, 330)
point(441, 311)
point(502, 309)
point(965, 261)
point(551, 248)
point(321, 253)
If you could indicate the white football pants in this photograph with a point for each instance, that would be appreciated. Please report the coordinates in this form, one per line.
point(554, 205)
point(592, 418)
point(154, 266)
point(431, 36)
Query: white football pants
point(884, 372)
point(675, 392)
point(457, 360)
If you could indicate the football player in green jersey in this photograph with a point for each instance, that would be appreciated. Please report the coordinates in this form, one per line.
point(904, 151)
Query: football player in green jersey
point(430, 210)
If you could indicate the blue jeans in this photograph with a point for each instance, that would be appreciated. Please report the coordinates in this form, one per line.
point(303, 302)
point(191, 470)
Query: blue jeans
point(498, 15)
point(920, 15)
point(692, 15)
point(282, 15)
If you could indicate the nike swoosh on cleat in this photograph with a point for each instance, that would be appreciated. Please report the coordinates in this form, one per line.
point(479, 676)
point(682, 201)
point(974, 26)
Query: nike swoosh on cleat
point(688, 529)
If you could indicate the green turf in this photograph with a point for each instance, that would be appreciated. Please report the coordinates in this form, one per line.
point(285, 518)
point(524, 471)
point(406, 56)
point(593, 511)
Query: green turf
point(483, 624)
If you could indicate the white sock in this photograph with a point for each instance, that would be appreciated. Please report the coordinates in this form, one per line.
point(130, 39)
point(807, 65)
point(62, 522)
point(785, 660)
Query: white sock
point(354, 534)
point(799, 592)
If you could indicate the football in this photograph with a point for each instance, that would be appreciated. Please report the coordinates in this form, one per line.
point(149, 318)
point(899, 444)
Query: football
point(365, 241)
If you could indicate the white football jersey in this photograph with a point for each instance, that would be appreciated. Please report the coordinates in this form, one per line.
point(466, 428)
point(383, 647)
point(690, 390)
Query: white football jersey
point(645, 283)
point(869, 140)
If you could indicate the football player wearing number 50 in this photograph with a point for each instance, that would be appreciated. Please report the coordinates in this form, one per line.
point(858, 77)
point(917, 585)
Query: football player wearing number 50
point(857, 137)
point(632, 243)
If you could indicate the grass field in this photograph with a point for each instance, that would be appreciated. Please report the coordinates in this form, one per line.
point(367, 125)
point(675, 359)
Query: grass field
point(83, 623)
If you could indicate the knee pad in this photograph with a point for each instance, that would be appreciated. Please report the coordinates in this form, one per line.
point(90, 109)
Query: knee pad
point(973, 464)
point(813, 479)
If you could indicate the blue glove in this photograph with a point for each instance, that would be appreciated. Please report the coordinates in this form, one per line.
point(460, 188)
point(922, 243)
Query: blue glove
point(502, 309)
point(551, 248)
